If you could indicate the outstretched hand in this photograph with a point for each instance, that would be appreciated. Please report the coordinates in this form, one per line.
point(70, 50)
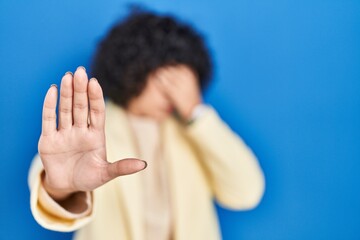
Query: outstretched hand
point(73, 151)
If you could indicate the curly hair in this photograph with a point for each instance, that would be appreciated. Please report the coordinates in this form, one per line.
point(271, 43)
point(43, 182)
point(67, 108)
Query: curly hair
point(139, 45)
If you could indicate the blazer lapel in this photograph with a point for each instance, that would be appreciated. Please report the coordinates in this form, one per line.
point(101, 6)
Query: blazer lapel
point(176, 173)
point(121, 144)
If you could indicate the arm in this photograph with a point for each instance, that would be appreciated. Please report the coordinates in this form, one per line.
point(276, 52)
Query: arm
point(67, 216)
point(72, 158)
point(235, 174)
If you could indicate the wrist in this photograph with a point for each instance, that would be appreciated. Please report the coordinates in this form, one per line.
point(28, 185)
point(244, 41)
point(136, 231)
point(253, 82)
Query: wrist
point(188, 112)
point(196, 113)
point(56, 194)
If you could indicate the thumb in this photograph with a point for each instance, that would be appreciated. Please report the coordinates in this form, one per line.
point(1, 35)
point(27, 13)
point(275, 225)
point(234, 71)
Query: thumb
point(124, 167)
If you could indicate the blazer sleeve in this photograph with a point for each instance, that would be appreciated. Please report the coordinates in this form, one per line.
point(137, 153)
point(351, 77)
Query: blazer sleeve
point(235, 175)
point(47, 212)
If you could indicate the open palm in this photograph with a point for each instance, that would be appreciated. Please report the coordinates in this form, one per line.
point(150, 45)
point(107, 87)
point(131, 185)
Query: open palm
point(74, 152)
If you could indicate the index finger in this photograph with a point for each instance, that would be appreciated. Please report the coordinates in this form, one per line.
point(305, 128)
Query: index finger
point(49, 111)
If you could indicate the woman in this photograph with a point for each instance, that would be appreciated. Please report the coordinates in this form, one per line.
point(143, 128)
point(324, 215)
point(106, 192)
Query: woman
point(152, 69)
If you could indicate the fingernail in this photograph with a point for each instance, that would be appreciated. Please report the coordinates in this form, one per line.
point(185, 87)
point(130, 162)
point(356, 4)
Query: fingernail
point(82, 67)
point(145, 164)
point(93, 79)
point(53, 85)
point(68, 72)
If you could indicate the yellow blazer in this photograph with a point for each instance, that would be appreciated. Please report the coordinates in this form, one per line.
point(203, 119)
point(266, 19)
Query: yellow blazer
point(205, 160)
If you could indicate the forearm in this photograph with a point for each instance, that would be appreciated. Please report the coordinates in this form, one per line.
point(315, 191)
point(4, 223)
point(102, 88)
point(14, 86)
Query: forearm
point(67, 215)
point(235, 174)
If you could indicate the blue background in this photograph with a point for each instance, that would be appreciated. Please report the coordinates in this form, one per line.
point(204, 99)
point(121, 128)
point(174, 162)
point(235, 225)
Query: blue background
point(287, 80)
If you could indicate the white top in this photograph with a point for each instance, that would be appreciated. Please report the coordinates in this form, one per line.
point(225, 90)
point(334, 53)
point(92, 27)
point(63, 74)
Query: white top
point(157, 209)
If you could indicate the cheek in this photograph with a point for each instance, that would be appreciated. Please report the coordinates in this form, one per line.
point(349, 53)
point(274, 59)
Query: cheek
point(160, 104)
point(158, 97)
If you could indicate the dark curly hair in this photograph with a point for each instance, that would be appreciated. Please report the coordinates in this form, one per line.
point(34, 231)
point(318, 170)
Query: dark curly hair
point(142, 43)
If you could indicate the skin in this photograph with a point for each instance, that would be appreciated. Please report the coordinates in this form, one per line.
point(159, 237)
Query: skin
point(74, 153)
point(168, 88)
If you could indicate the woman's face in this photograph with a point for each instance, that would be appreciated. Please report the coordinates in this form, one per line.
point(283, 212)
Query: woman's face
point(153, 102)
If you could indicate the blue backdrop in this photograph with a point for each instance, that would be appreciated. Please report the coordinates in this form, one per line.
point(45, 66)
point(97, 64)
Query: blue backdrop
point(287, 80)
